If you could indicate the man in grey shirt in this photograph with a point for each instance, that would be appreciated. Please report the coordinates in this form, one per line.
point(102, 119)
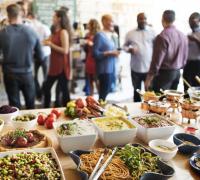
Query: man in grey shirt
point(192, 67)
point(139, 43)
point(18, 43)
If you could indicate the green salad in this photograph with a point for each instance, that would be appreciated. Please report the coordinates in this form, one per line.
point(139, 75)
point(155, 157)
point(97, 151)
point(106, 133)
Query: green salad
point(138, 160)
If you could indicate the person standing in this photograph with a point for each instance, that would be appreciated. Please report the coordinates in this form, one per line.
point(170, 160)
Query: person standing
point(43, 33)
point(18, 43)
point(90, 65)
point(105, 53)
point(170, 54)
point(139, 43)
point(59, 69)
point(192, 67)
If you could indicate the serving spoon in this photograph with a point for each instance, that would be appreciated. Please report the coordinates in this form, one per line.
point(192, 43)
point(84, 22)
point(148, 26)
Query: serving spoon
point(182, 144)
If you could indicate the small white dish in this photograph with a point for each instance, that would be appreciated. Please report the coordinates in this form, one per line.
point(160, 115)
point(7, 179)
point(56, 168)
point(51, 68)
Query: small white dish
point(163, 148)
point(7, 117)
point(28, 125)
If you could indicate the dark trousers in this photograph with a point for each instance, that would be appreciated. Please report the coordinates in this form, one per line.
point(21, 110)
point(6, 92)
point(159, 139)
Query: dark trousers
point(166, 79)
point(14, 83)
point(137, 79)
point(105, 81)
point(44, 65)
point(63, 83)
point(191, 70)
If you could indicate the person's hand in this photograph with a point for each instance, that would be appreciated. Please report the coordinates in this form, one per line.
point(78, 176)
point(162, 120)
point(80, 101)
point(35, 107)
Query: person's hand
point(148, 82)
point(115, 53)
point(133, 50)
point(89, 43)
point(47, 42)
point(193, 37)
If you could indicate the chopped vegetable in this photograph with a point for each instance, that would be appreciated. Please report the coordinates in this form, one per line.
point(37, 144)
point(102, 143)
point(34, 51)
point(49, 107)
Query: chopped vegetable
point(138, 160)
point(152, 121)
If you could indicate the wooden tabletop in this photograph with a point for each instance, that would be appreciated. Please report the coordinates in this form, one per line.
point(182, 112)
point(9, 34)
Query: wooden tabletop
point(180, 162)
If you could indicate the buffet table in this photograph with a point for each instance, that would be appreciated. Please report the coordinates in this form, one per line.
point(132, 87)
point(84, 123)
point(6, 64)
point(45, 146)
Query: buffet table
point(180, 163)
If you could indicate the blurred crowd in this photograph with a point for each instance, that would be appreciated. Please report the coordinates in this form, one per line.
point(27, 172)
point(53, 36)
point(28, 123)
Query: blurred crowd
point(156, 60)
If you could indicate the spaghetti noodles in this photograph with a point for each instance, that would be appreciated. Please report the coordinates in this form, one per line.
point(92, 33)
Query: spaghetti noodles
point(116, 170)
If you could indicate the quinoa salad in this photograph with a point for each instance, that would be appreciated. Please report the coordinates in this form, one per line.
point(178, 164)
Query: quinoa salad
point(29, 165)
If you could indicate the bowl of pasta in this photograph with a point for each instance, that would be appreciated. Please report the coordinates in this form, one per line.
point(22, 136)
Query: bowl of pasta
point(119, 168)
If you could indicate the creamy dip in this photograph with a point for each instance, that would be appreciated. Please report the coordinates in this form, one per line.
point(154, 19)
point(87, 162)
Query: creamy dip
point(79, 127)
point(113, 124)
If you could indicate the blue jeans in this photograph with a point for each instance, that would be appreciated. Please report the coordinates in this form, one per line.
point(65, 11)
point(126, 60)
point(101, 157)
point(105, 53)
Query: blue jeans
point(105, 81)
point(16, 82)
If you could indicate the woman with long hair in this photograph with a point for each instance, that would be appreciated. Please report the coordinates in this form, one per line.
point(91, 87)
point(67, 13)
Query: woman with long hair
point(59, 69)
point(93, 27)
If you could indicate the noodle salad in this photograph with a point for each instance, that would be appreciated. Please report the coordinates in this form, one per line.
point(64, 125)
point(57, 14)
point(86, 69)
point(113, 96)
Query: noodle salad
point(138, 160)
point(129, 163)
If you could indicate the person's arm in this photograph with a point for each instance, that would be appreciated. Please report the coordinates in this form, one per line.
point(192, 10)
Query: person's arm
point(130, 46)
point(64, 48)
point(195, 38)
point(185, 53)
point(159, 53)
point(38, 53)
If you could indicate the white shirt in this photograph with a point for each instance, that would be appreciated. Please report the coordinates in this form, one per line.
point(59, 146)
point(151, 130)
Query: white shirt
point(143, 41)
point(43, 33)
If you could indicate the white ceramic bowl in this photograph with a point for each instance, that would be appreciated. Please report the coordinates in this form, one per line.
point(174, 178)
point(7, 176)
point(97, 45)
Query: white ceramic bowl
point(7, 117)
point(116, 137)
point(148, 134)
point(165, 155)
point(28, 125)
point(74, 142)
point(1, 124)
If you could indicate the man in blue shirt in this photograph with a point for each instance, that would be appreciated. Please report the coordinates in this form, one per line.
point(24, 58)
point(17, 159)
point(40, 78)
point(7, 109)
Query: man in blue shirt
point(19, 43)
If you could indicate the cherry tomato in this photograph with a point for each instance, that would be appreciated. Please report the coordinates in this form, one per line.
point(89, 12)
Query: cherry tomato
point(49, 122)
point(51, 115)
point(41, 119)
point(56, 112)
